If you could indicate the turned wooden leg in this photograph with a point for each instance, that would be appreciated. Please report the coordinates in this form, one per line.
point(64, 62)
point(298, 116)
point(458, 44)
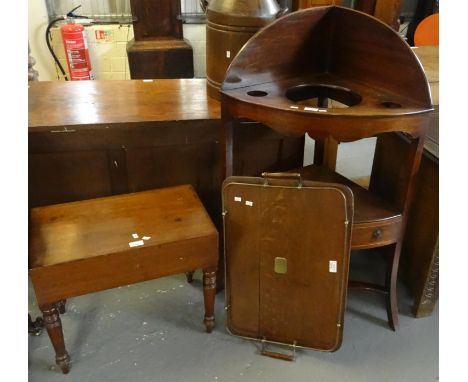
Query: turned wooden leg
point(189, 276)
point(209, 292)
point(53, 325)
point(393, 257)
point(35, 327)
point(61, 306)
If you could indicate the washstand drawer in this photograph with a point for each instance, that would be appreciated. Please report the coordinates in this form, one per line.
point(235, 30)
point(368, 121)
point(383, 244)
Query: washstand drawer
point(375, 234)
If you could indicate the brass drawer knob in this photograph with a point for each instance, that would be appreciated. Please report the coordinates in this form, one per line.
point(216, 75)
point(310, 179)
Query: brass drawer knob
point(377, 234)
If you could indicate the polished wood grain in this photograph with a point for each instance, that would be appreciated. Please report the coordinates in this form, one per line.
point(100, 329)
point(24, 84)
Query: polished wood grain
point(158, 49)
point(160, 59)
point(336, 60)
point(85, 247)
point(321, 85)
point(367, 6)
point(153, 19)
point(82, 104)
point(376, 222)
point(96, 227)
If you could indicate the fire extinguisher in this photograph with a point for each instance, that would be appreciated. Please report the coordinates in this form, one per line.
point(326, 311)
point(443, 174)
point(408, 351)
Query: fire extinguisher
point(76, 47)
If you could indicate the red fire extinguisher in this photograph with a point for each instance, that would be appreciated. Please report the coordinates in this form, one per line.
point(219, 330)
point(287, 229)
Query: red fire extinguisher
point(76, 48)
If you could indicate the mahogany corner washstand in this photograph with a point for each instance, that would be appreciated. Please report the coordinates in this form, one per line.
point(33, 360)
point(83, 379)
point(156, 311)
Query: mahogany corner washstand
point(92, 245)
point(339, 75)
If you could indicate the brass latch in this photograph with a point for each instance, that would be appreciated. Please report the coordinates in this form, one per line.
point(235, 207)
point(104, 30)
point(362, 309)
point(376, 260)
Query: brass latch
point(281, 265)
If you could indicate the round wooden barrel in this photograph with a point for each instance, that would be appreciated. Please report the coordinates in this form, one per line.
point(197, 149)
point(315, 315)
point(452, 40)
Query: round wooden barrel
point(229, 24)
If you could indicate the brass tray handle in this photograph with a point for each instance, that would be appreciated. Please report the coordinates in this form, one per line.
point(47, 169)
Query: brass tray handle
point(278, 355)
point(282, 175)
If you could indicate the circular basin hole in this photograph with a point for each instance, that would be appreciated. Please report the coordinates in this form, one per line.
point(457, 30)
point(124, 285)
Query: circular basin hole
point(390, 105)
point(257, 93)
point(319, 94)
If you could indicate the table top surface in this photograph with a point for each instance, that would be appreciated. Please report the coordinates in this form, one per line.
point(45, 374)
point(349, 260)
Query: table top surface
point(74, 231)
point(71, 103)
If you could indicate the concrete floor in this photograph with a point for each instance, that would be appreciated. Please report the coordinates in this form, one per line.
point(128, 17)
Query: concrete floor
point(153, 331)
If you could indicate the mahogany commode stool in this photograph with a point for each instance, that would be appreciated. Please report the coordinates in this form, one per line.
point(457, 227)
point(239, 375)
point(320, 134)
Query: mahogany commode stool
point(91, 245)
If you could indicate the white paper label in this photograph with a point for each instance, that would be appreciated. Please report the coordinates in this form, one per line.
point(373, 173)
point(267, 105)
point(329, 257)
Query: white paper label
point(332, 266)
point(136, 243)
point(146, 237)
point(237, 199)
point(147, 80)
point(248, 203)
point(294, 107)
point(228, 54)
point(135, 235)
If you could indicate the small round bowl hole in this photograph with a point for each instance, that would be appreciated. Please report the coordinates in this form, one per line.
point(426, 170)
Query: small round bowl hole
point(257, 93)
point(390, 105)
point(320, 93)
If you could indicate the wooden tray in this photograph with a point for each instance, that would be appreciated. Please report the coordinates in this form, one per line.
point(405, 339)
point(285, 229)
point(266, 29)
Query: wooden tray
point(287, 246)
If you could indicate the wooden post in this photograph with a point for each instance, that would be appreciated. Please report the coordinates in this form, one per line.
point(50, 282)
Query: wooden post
point(158, 49)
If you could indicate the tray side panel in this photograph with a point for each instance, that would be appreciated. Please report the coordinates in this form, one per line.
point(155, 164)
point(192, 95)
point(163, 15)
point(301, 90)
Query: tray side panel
point(242, 258)
point(305, 304)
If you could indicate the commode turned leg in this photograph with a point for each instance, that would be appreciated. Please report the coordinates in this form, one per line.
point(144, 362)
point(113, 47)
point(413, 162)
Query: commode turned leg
point(53, 325)
point(209, 292)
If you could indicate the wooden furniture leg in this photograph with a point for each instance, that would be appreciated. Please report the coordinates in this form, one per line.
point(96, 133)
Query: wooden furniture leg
point(61, 306)
point(209, 292)
point(393, 258)
point(189, 276)
point(60, 268)
point(35, 327)
point(326, 153)
point(53, 325)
